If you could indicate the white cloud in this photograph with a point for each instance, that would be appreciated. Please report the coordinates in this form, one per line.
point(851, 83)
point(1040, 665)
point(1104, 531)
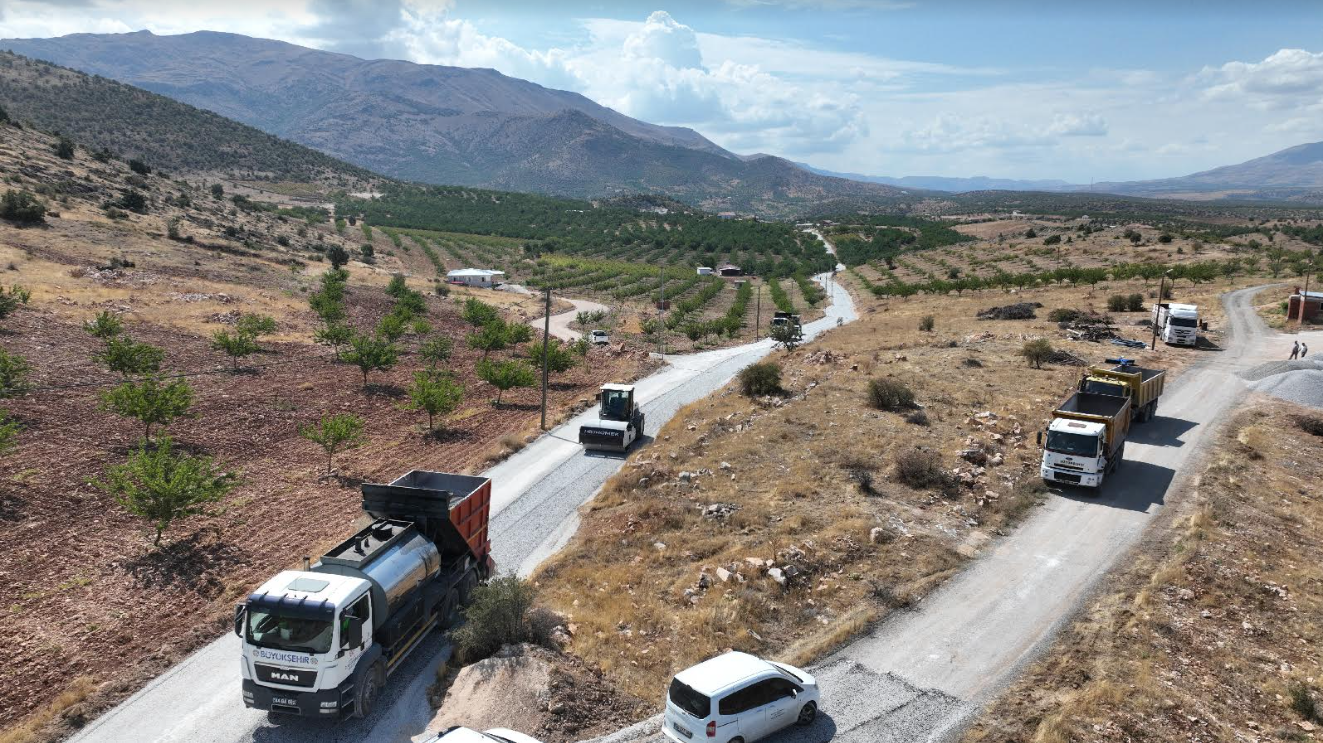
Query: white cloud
point(1289, 78)
point(1077, 125)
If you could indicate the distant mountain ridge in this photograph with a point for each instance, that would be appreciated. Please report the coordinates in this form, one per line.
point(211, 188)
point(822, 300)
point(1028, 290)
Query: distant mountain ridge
point(1292, 174)
point(955, 185)
point(445, 125)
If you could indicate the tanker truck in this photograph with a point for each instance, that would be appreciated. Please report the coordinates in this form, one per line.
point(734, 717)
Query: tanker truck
point(321, 641)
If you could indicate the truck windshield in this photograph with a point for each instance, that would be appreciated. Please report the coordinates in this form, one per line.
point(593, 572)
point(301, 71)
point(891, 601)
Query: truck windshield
point(1074, 444)
point(615, 404)
point(689, 700)
point(1105, 388)
point(1184, 322)
point(272, 630)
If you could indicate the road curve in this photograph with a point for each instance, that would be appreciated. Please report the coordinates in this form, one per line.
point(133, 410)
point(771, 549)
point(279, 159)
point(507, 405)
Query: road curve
point(921, 674)
point(560, 324)
point(536, 494)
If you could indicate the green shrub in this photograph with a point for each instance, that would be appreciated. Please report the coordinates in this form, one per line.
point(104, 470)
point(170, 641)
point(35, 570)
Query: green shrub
point(64, 149)
point(889, 394)
point(14, 371)
point(1134, 302)
point(139, 167)
point(1064, 315)
point(1037, 352)
point(435, 394)
point(1117, 303)
point(1303, 704)
point(500, 613)
point(22, 207)
point(927, 323)
point(217, 191)
point(150, 401)
point(923, 470)
point(762, 378)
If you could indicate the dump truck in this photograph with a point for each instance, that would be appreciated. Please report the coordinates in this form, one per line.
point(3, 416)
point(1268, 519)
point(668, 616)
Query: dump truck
point(1143, 386)
point(780, 319)
point(321, 641)
point(1086, 439)
point(619, 420)
point(1177, 324)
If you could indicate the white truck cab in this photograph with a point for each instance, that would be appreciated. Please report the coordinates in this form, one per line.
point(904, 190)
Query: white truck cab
point(1074, 453)
point(1178, 324)
point(304, 631)
point(598, 337)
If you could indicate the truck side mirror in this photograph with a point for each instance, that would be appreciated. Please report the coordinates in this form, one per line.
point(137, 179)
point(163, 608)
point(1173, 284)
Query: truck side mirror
point(1040, 438)
point(240, 613)
point(353, 634)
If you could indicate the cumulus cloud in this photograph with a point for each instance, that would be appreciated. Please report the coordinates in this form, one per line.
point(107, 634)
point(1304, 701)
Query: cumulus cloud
point(1077, 125)
point(1286, 79)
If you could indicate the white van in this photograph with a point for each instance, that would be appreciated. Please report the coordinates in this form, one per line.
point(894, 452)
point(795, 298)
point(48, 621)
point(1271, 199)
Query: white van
point(737, 698)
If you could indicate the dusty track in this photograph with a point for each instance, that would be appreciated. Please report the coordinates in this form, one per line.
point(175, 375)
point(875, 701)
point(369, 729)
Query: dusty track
point(560, 324)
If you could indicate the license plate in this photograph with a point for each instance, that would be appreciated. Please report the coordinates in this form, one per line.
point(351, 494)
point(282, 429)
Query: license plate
point(681, 730)
point(1063, 477)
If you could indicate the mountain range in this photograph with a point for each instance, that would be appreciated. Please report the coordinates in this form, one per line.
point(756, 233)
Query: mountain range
point(438, 124)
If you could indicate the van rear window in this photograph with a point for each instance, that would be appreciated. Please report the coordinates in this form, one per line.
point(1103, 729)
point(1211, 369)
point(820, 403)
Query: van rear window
point(689, 700)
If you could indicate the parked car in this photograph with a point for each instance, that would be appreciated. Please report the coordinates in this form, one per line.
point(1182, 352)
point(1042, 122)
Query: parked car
point(738, 698)
point(598, 337)
point(465, 735)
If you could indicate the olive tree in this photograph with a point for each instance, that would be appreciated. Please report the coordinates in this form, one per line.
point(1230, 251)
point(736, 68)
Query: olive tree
point(150, 401)
point(334, 433)
point(162, 486)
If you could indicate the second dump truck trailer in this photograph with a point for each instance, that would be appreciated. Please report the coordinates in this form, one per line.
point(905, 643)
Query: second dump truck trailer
point(1142, 386)
point(1086, 439)
point(321, 641)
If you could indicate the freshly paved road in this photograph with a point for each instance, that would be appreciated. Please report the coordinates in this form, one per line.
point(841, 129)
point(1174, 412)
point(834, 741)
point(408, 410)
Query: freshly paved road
point(535, 499)
point(922, 674)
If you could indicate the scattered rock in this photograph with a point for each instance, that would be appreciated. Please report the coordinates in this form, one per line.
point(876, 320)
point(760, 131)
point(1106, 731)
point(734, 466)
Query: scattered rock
point(777, 575)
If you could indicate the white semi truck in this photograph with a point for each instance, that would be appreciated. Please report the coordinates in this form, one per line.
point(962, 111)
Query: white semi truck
point(321, 641)
point(1177, 324)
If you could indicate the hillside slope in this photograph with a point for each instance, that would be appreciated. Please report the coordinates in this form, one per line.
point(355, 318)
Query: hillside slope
point(1292, 174)
point(167, 134)
point(444, 125)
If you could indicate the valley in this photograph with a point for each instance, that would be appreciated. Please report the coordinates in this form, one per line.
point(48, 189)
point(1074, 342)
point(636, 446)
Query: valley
point(822, 419)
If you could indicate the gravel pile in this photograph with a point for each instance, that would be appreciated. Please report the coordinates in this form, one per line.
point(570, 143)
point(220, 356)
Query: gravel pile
point(1304, 386)
point(1273, 368)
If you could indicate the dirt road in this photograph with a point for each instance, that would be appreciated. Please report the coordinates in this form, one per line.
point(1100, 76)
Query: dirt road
point(920, 675)
point(535, 496)
point(560, 324)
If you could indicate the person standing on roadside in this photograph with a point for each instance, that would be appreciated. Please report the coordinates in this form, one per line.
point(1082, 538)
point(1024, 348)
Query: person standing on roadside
point(1295, 351)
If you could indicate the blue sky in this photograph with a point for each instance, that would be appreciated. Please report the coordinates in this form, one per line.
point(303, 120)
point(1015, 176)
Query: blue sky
point(1021, 89)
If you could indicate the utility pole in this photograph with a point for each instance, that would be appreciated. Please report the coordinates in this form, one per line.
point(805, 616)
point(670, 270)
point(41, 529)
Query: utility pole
point(661, 321)
point(758, 316)
point(1304, 296)
point(1162, 294)
point(546, 340)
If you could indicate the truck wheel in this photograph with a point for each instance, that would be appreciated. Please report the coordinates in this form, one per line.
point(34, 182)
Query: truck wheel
point(369, 689)
point(451, 614)
point(466, 586)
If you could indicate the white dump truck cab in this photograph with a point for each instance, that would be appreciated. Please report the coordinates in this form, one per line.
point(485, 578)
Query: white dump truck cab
point(1178, 324)
point(1075, 453)
point(619, 420)
point(303, 633)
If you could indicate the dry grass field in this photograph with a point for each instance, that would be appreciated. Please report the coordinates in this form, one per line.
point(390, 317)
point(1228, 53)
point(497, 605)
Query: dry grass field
point(1213, 631)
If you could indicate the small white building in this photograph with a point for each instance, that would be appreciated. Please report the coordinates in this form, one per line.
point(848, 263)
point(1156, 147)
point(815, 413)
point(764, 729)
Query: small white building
point(481, 277)
point(705, 271)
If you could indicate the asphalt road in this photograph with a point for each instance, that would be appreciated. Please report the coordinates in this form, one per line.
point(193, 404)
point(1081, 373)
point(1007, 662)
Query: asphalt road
point(560, 324)
point(535, 497)
point(922, 674)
